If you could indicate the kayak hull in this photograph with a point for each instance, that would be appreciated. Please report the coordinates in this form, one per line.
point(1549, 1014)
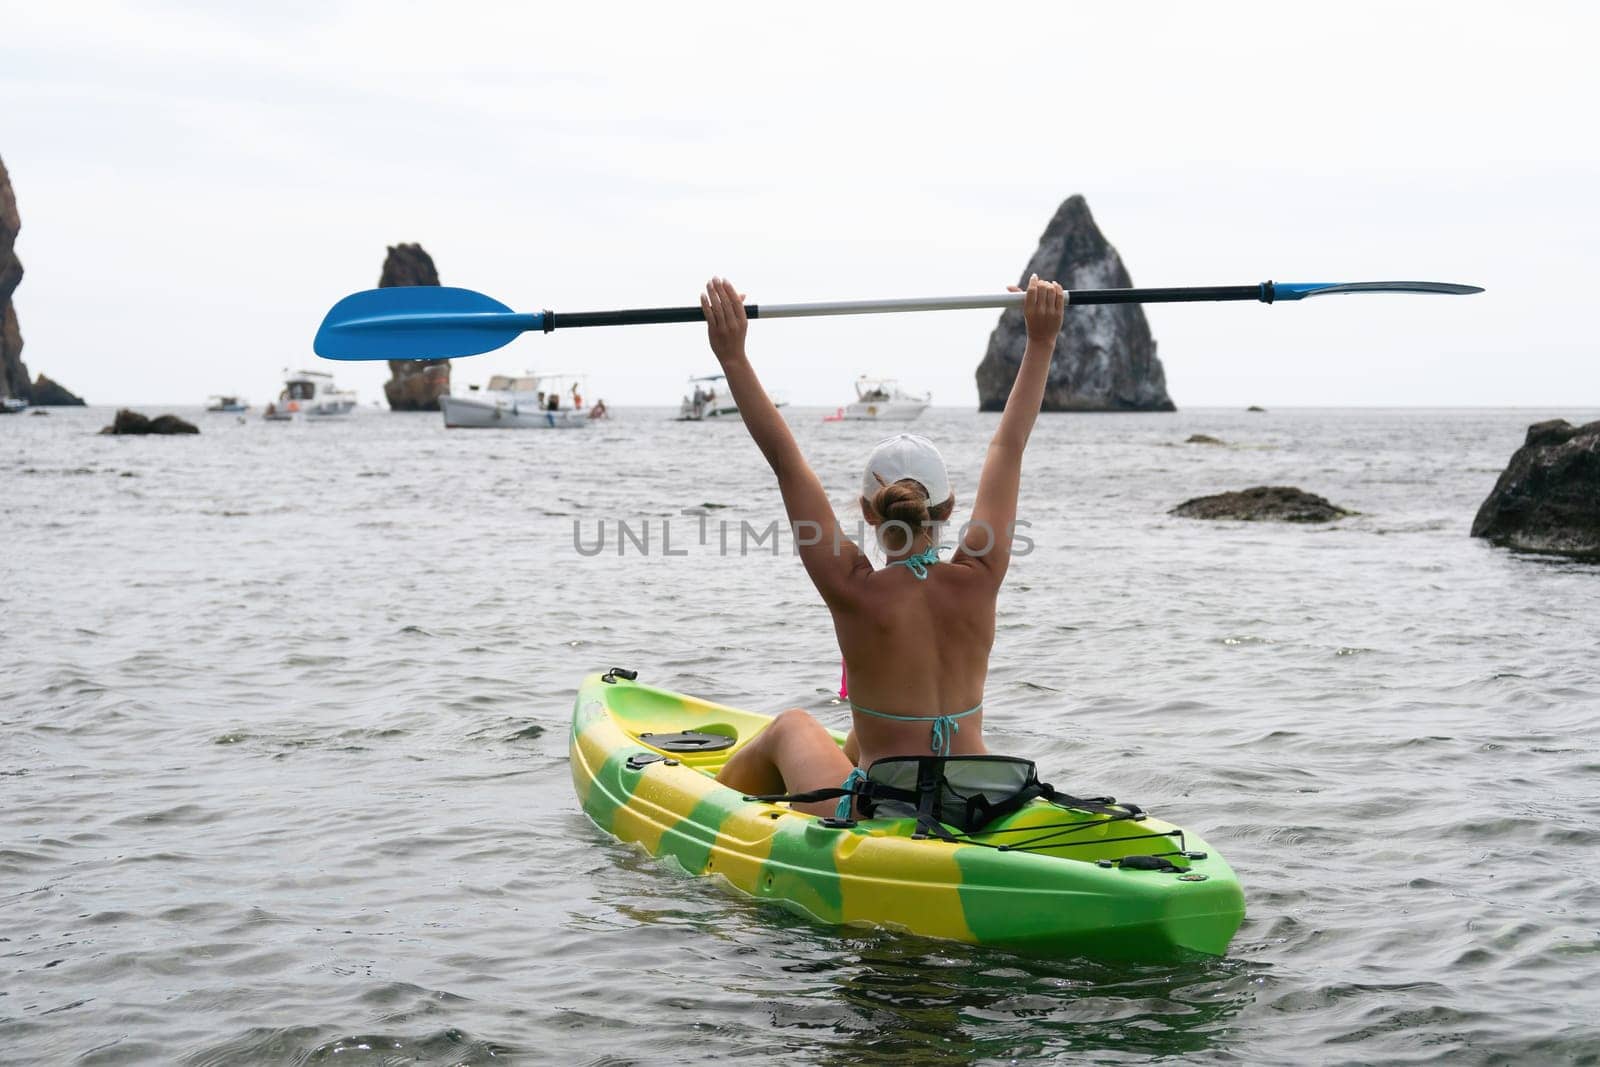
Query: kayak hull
point(1056, 902)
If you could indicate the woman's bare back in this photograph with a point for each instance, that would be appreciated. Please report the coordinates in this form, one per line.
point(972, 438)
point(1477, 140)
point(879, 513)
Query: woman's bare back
point(918, 648)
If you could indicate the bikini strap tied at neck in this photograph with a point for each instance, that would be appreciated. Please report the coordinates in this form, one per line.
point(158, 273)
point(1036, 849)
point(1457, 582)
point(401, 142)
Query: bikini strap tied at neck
point(919, 563)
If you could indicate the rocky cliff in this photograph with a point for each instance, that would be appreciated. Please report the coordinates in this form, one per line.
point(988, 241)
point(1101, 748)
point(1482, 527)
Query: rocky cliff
point(1105, 357)
point(13, 374)
point(414, 384)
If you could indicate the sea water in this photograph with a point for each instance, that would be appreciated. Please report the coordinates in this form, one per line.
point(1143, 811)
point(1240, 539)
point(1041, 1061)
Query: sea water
point(284, 715)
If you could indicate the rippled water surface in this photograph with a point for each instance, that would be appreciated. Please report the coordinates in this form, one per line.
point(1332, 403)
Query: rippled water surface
point(283, 767)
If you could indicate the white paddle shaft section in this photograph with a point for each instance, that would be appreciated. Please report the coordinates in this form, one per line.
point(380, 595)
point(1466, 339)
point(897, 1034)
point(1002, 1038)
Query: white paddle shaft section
point(876, 307)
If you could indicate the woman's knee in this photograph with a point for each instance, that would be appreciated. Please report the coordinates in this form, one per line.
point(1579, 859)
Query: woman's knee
point(796, 719)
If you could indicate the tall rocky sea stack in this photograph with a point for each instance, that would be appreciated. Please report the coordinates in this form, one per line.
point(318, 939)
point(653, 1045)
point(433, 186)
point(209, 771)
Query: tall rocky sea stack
point(13, 372)
point(1105, 357)
point(414, 384)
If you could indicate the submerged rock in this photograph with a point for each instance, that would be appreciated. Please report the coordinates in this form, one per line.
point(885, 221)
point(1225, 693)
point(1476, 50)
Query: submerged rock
point(1204, 439)
point(50, 393)
point(1105, 358)
point(132, 422)
point(414, 384)
point(1548, 498)
point(1263, 503)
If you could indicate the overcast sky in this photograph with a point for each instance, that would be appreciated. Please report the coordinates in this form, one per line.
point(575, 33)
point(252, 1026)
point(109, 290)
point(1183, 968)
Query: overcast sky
point(197, 184)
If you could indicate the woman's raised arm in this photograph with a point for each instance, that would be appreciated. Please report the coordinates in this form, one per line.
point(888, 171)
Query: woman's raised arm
point(829, 557)
point(994, 511)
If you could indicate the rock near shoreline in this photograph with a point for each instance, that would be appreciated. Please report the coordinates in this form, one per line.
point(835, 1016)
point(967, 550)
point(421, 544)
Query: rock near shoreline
point(414, 384)
point(1105, 358)
point(1548, 498)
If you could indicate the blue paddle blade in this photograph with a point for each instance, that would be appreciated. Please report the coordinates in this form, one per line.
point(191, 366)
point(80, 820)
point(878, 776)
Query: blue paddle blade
point(1301, 290)
point(419, 322)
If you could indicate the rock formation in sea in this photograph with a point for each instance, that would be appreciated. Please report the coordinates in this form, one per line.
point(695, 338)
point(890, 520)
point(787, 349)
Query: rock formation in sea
point(1263, 503)
point(1548, 498)
point(1204, 439)
point(47, 392)
point(14, 380)
point(13, 374)
point(1105, 358)
point(132, 422)
point(414, 384)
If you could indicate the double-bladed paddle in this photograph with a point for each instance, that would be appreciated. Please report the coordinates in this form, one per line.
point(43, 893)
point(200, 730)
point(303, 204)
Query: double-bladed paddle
point(437, 322)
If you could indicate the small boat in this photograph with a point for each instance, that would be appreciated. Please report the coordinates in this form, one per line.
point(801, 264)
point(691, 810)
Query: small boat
point(223, 402)
point(310, 395)
point(882, 400)
point(1054, 876)
point(522, 402)
point(705, 401)
point(10, 405)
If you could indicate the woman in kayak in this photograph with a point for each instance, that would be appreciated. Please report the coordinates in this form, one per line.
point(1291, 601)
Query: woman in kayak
point(916, 634)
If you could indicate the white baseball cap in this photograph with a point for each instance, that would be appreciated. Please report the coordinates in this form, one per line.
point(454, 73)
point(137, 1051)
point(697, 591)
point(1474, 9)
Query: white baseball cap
point(907, 455)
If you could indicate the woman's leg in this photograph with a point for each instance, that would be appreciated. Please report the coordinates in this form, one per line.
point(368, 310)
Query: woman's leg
point(793, 755)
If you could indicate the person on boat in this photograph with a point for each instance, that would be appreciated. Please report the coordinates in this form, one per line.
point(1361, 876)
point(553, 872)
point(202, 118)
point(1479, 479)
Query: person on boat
point(599, 410)
point(577, 398)
point(915, 634)
point(553, 401)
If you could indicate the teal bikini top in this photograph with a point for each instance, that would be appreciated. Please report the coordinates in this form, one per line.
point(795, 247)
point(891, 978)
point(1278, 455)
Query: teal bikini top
point(919, 563)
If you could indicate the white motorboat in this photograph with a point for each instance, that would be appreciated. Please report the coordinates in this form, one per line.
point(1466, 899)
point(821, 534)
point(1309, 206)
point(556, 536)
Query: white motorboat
point(310, 395)
point(524, 402)
point(10, 405)
point(705, 400)
point(223, 402)
point(882, 400)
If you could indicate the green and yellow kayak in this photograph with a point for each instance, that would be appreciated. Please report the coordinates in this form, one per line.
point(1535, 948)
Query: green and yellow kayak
point(644, 761)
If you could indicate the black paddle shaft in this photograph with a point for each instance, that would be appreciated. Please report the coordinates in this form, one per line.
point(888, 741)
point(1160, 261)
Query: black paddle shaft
point(1262, 292)
point(635, 317)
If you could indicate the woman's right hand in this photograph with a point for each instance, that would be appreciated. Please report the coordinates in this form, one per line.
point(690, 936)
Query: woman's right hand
point(1043, 308)
point(726, 322)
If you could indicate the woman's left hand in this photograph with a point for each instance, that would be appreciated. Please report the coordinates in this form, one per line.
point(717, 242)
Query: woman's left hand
point(726, 323)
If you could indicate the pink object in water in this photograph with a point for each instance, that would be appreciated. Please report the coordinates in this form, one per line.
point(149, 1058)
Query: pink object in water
point(844, 681)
